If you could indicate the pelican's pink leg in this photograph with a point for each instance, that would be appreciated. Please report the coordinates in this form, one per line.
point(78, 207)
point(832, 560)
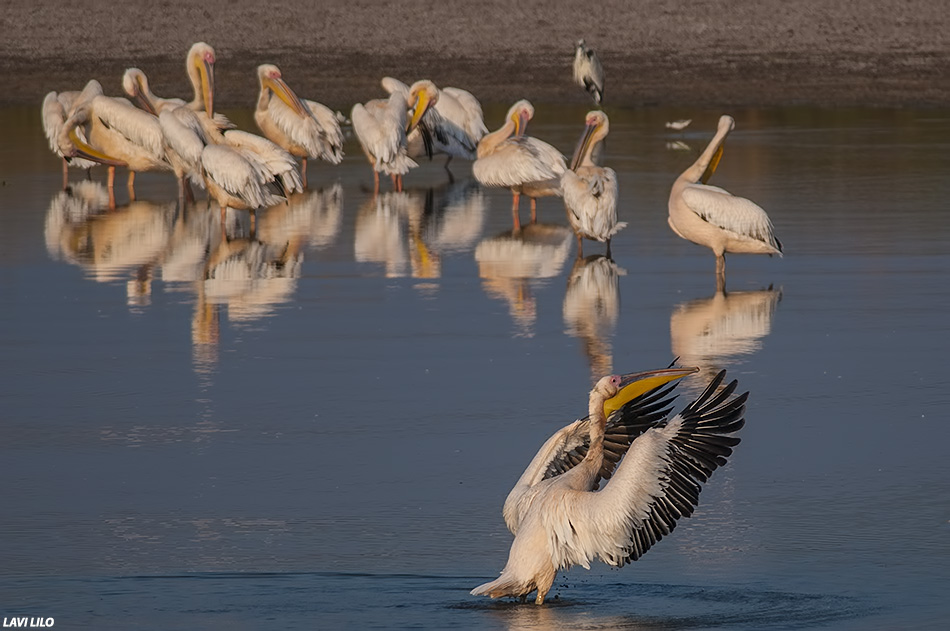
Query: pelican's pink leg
point(515, 215)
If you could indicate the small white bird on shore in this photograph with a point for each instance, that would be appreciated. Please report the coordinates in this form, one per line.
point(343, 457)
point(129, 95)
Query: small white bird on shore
point(679, 125)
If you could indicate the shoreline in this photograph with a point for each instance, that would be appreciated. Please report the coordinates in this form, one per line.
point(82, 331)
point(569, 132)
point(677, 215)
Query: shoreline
point(750, 81)
point(730, 53)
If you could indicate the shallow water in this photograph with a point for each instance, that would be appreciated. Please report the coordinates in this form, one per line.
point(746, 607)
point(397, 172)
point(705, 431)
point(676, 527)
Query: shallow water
point(314, 423)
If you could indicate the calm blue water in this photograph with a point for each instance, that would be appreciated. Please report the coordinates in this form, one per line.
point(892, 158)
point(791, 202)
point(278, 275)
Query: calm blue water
point(314, 424)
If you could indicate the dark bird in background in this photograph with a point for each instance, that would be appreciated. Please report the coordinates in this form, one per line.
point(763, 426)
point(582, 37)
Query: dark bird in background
point(588, 73)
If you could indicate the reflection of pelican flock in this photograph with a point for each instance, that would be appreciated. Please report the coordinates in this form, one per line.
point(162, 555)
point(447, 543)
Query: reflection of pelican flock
point(109, 245)
point(712, 332)
point(507, 262)
point(559, 517)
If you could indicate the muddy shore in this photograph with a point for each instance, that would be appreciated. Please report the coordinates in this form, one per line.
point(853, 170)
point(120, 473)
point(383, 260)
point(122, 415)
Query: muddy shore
point(655, 52)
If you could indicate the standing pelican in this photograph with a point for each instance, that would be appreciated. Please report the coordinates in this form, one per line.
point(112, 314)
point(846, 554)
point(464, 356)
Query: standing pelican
point(306, 129)
point(117, 134)
point(590, 191)
point(57, 108)
point(714, 217)
point(588, 73)
point(452, 126)
point(381, 127)
point(555, 511)
point(507, 158)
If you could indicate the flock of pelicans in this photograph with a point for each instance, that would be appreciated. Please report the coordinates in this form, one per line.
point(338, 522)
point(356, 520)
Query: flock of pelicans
point(559, 511)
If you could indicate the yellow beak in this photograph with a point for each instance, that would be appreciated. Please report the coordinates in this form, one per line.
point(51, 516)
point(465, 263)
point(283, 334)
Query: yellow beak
point(708, 173)
point(422, 104)
point(636, 384)
point(206, 72)
point(285, 94)
point(583, 146)
point(87, 151)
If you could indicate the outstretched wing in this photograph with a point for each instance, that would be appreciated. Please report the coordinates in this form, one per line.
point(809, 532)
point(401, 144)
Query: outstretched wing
point(568, 446)
point(657, 483)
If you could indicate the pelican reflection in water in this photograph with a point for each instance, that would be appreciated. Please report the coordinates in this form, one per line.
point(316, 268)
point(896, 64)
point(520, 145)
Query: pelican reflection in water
point(127, 242)
point(592, 307)
point(654, 466)
point(409, 231)
point(717, 331)
point(510, 261)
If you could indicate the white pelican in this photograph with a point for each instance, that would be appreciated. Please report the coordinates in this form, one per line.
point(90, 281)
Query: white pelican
point(507, 158)
point(588, 73)
point(306, 129)
point(136, 87)
point(714, 217)
point(381, 127)
point(57, 107)
point(590, 191)
point(454, 124)
point(555, 511)
point(235, 166)
point(116, 134)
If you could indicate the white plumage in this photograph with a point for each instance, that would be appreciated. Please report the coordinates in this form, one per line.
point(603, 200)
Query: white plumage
point(711, 216)
point(590, 191)
point(454, 123)
point(56, 110)
point(558, 515)
point(380, 126)
point(528, 166)
point(305, 129)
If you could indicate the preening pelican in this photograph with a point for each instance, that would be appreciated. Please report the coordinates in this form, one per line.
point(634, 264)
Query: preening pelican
point(136, 87)
point(453, 125)
point(507, 158)
point(116, 134)
point(382, 128)
point(588, 73)
point(306, 129)
point(555, 511)
point(57, 108)
point(590, 191)
point(235, 166)
point(714, 217)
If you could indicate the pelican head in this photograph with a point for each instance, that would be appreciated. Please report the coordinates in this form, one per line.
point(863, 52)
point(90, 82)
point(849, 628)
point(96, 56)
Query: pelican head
point(135, 85)
point(726, 125)
point(271, 79)
point(200, 67)
point(74, 145)
point(422, 95)
point(519, 114)
point(615, 391)
point(597, 126)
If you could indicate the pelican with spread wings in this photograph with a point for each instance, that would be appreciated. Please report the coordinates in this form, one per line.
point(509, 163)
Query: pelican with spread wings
point(654, 465)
